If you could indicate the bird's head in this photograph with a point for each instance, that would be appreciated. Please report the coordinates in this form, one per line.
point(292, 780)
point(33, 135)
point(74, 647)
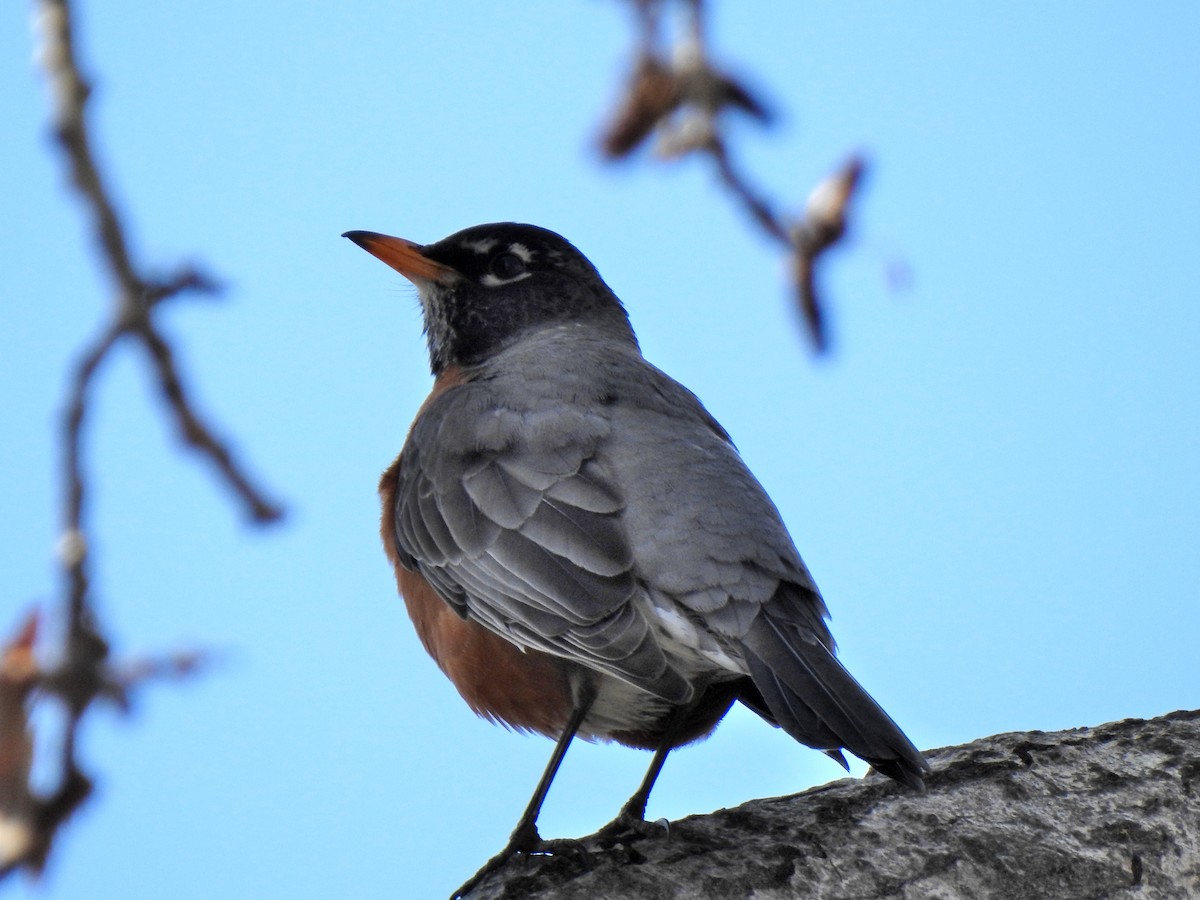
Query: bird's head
point(484, 287)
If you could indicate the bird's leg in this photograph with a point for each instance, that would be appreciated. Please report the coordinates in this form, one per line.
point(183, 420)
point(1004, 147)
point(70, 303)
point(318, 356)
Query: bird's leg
point(632, 817)
point(525, 837)
point(631, 820)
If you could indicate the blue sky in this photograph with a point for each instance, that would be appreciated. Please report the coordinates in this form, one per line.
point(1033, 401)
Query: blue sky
point(994, 478)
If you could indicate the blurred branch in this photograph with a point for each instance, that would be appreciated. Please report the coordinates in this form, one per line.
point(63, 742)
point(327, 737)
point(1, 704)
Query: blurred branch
point(29, 821)
point(136, 295)
point(83, 674)
point(678, 93)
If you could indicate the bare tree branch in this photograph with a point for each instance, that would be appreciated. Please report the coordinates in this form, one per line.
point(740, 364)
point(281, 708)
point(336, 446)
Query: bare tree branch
point(679, 93)
point(1108, 811)
point(136, 295)
point(29, 821)
point(82, 673)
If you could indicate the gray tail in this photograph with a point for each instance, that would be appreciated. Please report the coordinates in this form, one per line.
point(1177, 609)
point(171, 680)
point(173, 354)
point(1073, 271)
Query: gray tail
point(812, 697)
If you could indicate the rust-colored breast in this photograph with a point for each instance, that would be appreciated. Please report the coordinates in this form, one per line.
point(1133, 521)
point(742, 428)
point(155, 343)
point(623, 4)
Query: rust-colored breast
point(524, 689)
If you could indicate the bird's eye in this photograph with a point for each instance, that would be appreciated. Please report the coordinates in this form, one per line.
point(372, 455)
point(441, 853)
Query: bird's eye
point(507, 266)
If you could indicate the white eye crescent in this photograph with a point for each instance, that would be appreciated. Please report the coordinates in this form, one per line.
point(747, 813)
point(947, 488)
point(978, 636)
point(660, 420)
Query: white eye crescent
point(508, 266)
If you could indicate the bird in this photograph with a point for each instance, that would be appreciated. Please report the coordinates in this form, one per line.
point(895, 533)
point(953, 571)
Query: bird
point(579, 545)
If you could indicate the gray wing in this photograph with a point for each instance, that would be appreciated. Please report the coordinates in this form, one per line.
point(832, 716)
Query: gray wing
point(514, 521)
point(711, 546)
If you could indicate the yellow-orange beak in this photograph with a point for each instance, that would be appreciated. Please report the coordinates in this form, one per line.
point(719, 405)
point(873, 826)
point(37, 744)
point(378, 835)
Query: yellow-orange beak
point(403, 256)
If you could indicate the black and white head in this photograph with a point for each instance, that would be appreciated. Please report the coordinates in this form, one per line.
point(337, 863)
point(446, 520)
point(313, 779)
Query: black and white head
point(485, 286)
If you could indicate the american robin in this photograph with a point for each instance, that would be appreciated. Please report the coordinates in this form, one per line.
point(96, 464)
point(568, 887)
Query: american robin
point(578, 543)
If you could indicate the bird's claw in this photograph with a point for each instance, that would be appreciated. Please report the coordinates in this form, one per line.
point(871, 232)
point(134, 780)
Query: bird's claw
point(628, 827)
point(526, 845)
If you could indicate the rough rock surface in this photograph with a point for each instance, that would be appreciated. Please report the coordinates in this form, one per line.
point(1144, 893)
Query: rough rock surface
point(1105, 812)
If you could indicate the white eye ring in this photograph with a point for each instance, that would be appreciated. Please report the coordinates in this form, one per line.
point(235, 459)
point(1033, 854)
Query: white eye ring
point(507, 266)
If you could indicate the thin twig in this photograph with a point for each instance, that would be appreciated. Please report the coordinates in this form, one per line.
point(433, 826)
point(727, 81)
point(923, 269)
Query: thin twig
point(73, 548)
point(193, 430)
point(756, 205)
point(71, 91)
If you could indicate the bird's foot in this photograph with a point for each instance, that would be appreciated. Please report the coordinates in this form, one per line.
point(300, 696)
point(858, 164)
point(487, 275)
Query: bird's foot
point(525, 843)
point(631, 825)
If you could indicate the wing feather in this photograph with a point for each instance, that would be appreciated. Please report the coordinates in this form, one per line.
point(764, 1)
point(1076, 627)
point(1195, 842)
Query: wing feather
point(518, 528)
point(501, 497)
point(588, 541)
point(813, 697)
